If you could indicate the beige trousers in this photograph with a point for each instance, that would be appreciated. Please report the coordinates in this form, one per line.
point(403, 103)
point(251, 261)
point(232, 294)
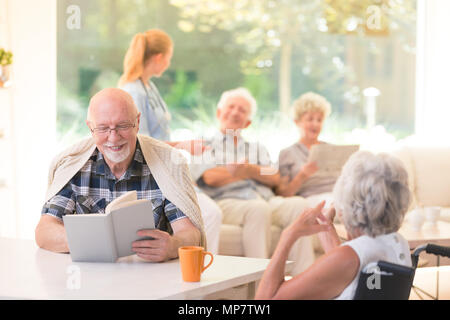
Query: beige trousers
point(212, 220)
point(256, 216)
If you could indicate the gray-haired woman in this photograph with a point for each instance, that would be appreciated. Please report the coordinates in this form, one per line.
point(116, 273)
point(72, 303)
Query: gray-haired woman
point(310, 111)
point(371, 196)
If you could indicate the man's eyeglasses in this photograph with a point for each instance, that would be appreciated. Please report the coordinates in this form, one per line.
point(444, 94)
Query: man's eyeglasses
point(122, 128)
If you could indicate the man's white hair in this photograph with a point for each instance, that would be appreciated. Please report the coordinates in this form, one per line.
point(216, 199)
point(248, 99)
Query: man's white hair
point(238, 92)
point(310, 101)
point(372, 193)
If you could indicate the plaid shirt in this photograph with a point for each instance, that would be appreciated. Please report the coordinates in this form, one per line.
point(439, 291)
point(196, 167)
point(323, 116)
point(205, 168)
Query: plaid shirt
point(94, 187)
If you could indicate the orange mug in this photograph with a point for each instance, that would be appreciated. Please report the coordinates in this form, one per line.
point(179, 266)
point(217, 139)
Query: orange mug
point(192, 261)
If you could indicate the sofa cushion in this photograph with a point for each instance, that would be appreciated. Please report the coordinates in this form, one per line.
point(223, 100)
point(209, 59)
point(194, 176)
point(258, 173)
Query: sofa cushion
point(230, 243)
point(445, 214)
point(405, 157)
point(432, 176)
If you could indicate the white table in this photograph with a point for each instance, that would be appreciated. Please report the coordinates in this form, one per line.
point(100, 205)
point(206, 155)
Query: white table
point(27, 272)
point(438, 233)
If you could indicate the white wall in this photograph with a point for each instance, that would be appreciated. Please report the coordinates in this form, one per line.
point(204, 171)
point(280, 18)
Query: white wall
point(30, 27)
point(7, 172)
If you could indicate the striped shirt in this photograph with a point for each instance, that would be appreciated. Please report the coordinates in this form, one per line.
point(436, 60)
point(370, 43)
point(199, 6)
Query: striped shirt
point(95, 186)
point(223, 151)
point(291, 161)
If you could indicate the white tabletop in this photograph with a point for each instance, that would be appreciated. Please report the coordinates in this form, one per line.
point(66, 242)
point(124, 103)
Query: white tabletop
point(438, 233)
point(27, 272)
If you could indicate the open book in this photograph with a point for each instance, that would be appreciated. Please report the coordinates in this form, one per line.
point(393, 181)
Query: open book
point(105, 237)
point(330, 158)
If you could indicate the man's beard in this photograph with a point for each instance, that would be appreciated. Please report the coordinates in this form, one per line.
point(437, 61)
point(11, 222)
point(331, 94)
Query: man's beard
point(116, 156)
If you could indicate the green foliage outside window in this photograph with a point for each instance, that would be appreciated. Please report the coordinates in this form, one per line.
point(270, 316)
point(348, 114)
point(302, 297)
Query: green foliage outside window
point(277, 49)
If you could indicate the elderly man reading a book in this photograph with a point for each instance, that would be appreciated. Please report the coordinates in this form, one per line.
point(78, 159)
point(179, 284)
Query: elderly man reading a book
point(86, 177)
point(240, 176)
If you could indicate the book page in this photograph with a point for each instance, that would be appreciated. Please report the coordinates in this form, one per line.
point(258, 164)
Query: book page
point(331, 158)
point(121, 201)
point(90, 237)
point(127, 221)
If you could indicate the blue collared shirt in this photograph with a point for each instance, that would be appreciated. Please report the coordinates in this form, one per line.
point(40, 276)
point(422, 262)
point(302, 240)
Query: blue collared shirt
point(95, 186)
point(224, 151)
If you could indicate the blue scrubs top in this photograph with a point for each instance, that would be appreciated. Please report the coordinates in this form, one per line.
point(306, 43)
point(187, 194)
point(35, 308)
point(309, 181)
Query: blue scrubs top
point(155, 116)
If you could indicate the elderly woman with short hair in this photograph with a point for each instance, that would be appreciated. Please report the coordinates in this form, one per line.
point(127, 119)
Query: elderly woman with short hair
point(310, 112)
point(371, 196)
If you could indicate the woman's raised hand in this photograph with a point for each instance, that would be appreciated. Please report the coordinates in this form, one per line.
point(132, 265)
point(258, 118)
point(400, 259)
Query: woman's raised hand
point(309, 222)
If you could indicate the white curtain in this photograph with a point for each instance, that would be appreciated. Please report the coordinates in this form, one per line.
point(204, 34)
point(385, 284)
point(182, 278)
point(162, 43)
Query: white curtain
point(433, 71)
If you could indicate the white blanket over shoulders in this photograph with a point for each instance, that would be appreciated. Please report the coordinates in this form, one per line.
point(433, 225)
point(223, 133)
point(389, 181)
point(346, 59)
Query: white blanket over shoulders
point(166, 165)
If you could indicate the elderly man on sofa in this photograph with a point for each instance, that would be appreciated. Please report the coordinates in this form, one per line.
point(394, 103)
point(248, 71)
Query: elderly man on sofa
point(90, 174)
point(240, 177)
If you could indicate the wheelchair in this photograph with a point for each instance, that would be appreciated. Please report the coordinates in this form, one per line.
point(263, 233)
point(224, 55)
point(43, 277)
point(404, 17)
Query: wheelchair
point(388, 281)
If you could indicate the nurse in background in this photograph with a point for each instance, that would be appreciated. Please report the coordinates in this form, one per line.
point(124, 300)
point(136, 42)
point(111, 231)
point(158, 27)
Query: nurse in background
point(148, 56)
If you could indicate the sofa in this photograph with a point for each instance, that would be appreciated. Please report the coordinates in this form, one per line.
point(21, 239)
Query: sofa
point(230, 235)
point(429, 177)
point(429, 181)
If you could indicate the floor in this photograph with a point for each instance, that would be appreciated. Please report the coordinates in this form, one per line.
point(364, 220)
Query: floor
point(425, 279)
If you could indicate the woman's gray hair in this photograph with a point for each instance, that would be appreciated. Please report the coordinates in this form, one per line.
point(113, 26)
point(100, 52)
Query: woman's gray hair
point(238, 92)
point(372, 193)
point(310, 101)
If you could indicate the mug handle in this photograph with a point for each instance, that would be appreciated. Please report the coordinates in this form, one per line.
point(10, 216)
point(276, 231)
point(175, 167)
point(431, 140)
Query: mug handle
point(210, 262)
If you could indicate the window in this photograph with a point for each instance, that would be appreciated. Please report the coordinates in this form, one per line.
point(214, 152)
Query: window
point(277, 49)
